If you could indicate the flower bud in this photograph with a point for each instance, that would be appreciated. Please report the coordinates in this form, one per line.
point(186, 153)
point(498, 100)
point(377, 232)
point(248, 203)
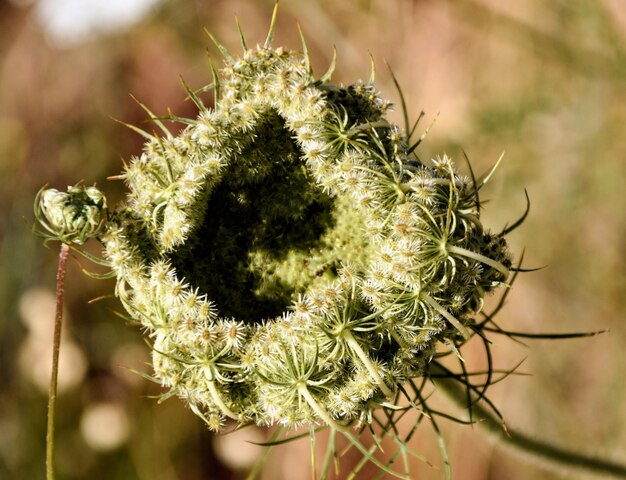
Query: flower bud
point(74, 216)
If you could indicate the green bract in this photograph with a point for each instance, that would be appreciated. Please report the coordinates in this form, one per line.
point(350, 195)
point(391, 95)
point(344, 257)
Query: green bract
point(291, 260)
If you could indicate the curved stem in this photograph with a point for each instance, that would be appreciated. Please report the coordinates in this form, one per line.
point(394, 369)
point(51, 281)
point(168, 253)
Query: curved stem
point(447, 315)
point(554, 455)
point(479, 258)
point(220, 403)
point(323, 414)
point(56, 345)
point(367, 362)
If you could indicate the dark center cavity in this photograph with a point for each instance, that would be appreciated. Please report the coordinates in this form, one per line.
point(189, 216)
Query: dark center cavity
point(262, 238)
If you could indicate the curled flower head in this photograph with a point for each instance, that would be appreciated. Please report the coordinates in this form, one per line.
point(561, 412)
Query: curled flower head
point(293, 261)
point(73, 216)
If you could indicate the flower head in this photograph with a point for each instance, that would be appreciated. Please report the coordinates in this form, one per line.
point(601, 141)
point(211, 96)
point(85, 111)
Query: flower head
point(73, 216)
point(332, 261)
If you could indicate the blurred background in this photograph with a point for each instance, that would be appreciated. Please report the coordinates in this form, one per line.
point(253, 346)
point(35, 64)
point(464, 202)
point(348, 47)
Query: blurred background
point(542, 80)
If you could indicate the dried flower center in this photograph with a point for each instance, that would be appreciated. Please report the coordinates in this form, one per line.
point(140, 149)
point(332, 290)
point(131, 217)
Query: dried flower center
point(268, 232)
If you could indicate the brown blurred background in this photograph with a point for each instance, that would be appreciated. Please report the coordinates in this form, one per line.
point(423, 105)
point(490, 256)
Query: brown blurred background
point(543, 80)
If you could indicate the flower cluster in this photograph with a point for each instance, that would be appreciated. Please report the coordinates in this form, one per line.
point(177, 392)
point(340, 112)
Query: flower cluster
point(74, 216)
point(290, 259)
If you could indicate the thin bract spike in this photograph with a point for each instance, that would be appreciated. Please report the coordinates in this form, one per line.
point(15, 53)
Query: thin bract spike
point(305, 52)
point(527, 270)
point(163, 397)
point(223, 50)
point(438, 368)
point(354, 441)
point(372, 69)
point(191, 95)
point(486, 177)
point(482, 373)
point(288, 439)
point(153, 117)
point(454, 349)
point(206, 88)
point(421, 139)
point(405, 113)
point(473, 178)
point(452, 418)
point(419, 117)
point(90, 257)
point(138, 130)
point(98, 276)
point(170, 174)
point(175, 118)
point(124, 317)
point(143, 375)
point(488, 381)
point(244, 45)
point(272, 29)
point(502, 300)
point(506, 229)
point(216, 81)
point(100, 298)
point(329, 73)
point(550, 336)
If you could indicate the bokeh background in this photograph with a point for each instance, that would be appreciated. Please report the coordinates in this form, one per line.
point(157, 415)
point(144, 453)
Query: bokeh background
point(542, 80)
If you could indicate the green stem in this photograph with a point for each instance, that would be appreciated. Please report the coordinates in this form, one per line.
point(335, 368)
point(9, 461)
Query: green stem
point(217, 398)
point(522, 443)
point(447, 315)
point(479, 258)
point(398, 339)
point(56, 345)
point(319, 411)
point(356, 348)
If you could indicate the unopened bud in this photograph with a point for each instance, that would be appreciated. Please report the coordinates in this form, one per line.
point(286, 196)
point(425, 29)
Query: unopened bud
point(74, 216)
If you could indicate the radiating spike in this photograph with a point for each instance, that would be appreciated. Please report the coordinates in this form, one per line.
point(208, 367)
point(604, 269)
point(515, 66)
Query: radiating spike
point(192, 95)
point(91, 258)
point(99, 276)
point(485, 178)
point(417, 121)
point(373, 69)
point(305, 53)
point(244, 45)
point(216, 80)
point(445, 314)
point(153, 117)
point(474, 184)
point(423, 136)
point(521, 220)
point(453, 349)
point(170, 174)
point(138, 130)
point(270, 33)
point(405, 113)
point(329, 73)
point(176, 118)
point(220, 47)
point(206, 88)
